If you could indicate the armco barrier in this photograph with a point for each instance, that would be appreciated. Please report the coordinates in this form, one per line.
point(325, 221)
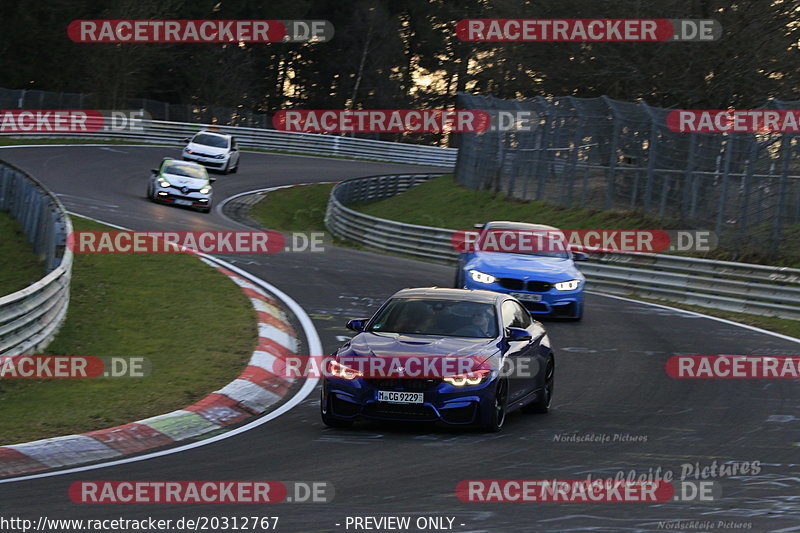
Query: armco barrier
point(724, 285)
point(282, 141)
point(29, 318)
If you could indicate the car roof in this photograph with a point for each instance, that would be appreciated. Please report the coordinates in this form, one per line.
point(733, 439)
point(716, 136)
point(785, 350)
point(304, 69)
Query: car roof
point(469, 295)
point(214, 133)
point(507, 224)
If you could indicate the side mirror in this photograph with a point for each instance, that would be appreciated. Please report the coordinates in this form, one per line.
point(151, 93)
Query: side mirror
point(478, 226)
point(357, 324)
point(579, 256)
point(517, 334)
point(154, 170)
point(211, 179)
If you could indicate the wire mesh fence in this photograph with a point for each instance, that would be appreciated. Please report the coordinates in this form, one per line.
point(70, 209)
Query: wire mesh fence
point(35, 99)
point(600, 153)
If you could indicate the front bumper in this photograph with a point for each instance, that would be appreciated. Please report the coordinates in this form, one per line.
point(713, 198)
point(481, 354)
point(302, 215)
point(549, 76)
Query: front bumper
point(173, 196)
point(444, 403)
point(567, 304)
point(205, 161)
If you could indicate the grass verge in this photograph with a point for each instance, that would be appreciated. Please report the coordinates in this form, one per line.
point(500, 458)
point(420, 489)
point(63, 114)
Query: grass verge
point(294, 208)
point(196, 326)
point(19, 267)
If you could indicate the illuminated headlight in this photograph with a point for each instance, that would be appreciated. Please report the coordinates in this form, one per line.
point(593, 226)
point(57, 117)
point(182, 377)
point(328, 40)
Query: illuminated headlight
point(206, 189)
point(570, 285)
point(338, 370)
point(164, 183)
point(471, 378)
point(480, 277)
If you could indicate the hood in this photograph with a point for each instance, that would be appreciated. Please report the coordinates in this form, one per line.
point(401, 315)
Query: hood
point(206, 149)
point(523, 266)
point(369, 344)
point(181, 181)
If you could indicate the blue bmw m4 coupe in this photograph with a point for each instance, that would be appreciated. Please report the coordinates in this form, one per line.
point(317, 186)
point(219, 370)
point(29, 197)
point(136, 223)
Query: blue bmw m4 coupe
point(453, 356)
point(527, 261)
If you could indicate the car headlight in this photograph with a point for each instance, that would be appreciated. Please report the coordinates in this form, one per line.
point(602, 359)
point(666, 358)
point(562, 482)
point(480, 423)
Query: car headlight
point(338, 370)
point(206, 189)
point(471, 378)
point(480, 277)
point(164, 183)
point(570, 285)
point(220, 156)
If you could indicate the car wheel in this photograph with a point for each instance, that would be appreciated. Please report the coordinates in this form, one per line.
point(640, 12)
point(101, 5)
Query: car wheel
point(498, 417)
point(327, 417)
point(226, 170)
point(235, 169)
point(150, 192)
point(542, 405)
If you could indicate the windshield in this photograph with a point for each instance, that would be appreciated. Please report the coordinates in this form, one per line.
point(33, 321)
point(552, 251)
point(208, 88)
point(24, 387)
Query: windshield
point(210, 140)
point(444, 318)
point(541, 243)
point(182, 169)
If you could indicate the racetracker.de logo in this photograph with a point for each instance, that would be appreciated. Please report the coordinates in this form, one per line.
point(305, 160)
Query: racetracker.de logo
point(381, 121)
point(199, 31)
point(734, 121)
point(71, 120)
point(733, 366)
point(560, 241)
point(591, 30)
point(155, 242)
point(177, 492)
point(566, 491)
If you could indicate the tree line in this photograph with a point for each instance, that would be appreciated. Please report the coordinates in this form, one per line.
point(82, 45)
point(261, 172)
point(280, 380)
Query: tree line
point(404, 53)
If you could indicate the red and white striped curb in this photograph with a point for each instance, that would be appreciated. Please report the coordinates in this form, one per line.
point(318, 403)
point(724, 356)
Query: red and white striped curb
point(258, 387)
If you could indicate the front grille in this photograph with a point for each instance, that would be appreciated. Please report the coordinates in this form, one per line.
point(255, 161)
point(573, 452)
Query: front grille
point(511, 284)
point(399, 411)
point(179, 197)
point(416, 384)
point(539, 286)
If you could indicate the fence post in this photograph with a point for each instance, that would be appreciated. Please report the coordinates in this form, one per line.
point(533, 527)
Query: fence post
point(723, 198)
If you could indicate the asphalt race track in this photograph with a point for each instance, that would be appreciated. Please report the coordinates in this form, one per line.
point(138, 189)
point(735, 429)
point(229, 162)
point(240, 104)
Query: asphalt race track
point(610, 380)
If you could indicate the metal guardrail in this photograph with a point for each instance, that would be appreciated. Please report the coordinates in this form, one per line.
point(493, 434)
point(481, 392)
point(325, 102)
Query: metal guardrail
point(30, 318)
point(282, 141)
point(738, 287)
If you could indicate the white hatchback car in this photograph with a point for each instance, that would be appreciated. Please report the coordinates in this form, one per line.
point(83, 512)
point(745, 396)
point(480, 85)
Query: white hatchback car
point(213, 150)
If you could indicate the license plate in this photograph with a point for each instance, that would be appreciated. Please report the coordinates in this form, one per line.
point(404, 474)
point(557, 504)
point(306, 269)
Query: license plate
point(525, 297)
point(183, 202)
point(400, 397)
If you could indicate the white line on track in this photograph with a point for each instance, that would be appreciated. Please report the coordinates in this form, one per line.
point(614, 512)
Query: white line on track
point(724, 321)
point(314, 347)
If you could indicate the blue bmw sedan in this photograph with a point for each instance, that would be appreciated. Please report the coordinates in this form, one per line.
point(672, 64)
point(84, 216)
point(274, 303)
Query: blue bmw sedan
point(458, 357)
point(506, 258)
